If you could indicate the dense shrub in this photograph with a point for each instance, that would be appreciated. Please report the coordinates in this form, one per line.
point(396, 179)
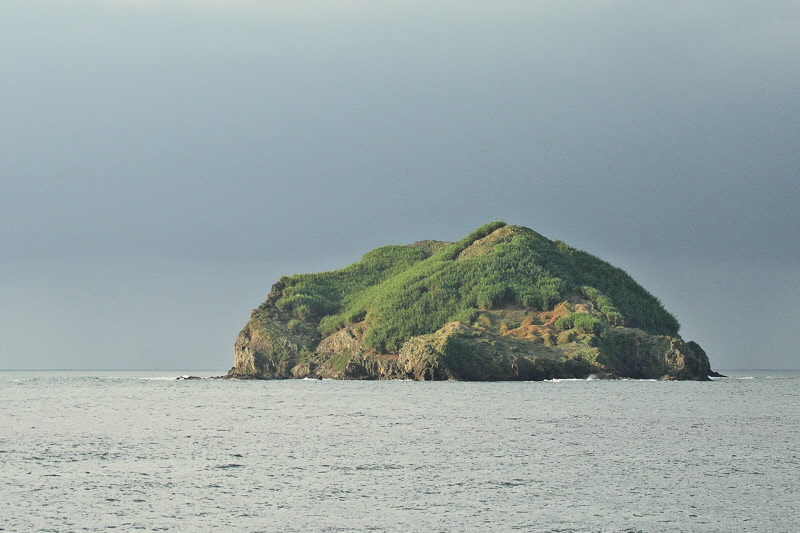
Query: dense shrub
point(604, 305)
point(581, 322)
point(402, 291)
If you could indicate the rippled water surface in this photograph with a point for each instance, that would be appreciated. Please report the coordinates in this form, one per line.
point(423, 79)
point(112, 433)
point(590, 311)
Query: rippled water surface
point(138, 451)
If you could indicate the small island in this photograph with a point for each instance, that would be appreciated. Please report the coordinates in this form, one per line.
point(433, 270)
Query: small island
point(502, 304)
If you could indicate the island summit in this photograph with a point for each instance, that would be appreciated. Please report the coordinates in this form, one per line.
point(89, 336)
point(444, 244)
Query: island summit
point(503, 303)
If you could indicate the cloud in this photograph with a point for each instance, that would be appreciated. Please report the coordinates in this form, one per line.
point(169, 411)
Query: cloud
point(268, 131)
point(283, 8)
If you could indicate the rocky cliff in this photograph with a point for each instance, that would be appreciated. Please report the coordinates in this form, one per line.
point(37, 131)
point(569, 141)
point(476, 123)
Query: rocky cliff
point(505, 303)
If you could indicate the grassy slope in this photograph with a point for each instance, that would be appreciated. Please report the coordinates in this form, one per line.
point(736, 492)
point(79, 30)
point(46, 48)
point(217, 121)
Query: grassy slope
point(404, 291)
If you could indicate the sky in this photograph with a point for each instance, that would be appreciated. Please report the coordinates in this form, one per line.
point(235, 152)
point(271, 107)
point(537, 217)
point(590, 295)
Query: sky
point(163, 162)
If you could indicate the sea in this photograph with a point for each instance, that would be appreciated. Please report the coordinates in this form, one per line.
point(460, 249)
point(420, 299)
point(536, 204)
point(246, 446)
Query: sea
point(142, 451)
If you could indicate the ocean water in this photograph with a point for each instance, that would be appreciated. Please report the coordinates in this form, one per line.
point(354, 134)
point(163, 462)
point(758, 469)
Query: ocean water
point(100, 451)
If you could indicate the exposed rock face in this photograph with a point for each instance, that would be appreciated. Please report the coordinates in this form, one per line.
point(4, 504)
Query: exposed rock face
point(582, 336)
point(639, 355)
point(261, 354)
point(267, 348)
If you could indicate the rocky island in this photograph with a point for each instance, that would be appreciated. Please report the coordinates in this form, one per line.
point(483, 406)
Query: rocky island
point(504, 303)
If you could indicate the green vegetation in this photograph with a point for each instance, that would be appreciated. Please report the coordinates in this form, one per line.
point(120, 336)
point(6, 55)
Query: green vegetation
point(604, 305)
point(581, 322)
point(405, 291)
point(341, 360)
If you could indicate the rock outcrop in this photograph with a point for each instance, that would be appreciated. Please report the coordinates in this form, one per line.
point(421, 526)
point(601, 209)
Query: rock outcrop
point(334, 325)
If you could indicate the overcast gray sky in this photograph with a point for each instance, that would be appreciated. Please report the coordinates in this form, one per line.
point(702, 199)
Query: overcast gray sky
point(162, 162)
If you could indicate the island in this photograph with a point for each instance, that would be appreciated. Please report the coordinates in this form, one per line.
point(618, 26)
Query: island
point(504, 303)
